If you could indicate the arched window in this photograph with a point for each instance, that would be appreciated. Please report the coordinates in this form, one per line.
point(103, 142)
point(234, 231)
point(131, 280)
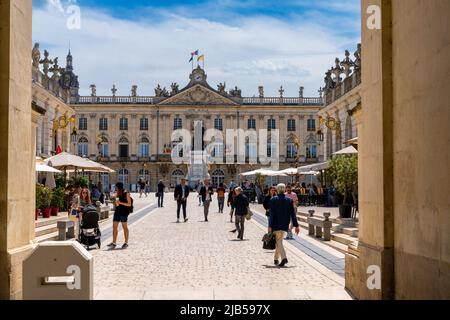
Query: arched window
point(177, 175)
point(123, 147)
point(217, 177)
point(83, 147)
point(311, 147)
point(144, 147)
point(291, 148)
point(104, 147)
point(144, 175)
point(348, 129)
point(123, 176)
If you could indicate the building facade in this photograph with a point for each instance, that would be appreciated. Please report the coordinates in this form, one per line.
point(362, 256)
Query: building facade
point(133, 134)
point(51, 96)
point(342, 101)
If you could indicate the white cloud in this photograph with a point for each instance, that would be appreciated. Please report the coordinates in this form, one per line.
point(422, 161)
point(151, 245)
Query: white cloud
point(257, 51)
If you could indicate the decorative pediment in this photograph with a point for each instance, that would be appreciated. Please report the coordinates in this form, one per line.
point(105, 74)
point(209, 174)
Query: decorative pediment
point(198, 95)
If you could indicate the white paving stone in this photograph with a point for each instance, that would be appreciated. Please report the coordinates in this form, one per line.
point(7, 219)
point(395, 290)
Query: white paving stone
point(198, 260)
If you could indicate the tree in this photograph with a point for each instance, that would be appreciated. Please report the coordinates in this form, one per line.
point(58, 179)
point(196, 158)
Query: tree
point(344, 173)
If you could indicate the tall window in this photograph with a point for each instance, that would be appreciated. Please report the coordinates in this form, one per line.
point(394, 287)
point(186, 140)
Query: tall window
point(311, 125)
point(218, 124)
point(144, 124)
point(251, 149)
point(251, 124)
point(177, 123)
point(103, 124)
point(291, 151)
point(104, 147)
point(348, 129)
point(123, 124)
point(271, 148)
point(123, 147)
point(311, 151)
point(291, 125)
point(123, 176)
point(82, 124)
point(144, 148)
point(83, 145)
point(271, 124)
point(104, 178)
point(218, 149)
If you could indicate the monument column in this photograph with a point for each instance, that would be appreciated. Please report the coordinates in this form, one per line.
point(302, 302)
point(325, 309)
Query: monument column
point(16, 149)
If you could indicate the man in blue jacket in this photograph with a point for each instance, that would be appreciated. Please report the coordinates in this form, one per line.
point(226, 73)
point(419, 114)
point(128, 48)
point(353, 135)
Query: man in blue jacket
point(281, 213)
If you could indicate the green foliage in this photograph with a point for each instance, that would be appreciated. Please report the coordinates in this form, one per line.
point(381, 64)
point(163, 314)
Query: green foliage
point(60, 181)
point(58, 197)
point(80, 180)
point(260, 179)
point(39, 192)
point(343, 170)
point(46, 198)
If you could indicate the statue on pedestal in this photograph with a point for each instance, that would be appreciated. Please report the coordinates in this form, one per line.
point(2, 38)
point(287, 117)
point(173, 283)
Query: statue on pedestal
point(36, 55)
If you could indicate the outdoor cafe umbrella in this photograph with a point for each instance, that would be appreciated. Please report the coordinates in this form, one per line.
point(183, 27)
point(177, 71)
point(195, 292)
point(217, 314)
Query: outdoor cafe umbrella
point(69, 162)
point(348, 150)
point(46, 168)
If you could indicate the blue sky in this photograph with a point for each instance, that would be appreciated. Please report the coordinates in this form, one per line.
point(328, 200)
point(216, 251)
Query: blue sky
point(246, 43)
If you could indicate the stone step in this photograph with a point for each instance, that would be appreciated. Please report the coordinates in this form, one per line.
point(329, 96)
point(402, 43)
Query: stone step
point(342, 238)
point(350, 231)
point(47, 237)
point(337, 246)
point(45, 230)
point(41, 222)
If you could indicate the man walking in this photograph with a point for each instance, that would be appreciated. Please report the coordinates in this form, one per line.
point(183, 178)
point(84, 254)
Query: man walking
point(181, 195)
point(281, 213)
point(241, 205)
point(206, 192)
point(160, 193)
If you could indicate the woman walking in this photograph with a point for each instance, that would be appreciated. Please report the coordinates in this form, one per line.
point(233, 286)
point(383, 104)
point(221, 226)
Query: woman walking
point(123, 207)
point(230, 202)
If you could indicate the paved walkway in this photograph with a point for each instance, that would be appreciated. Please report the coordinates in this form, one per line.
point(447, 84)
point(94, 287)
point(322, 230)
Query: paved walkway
point(198, 260)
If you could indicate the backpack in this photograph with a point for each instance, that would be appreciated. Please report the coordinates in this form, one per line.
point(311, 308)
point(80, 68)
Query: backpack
point(132, 201)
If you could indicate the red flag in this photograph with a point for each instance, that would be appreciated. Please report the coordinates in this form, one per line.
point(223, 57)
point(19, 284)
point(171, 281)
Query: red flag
point(58, 150)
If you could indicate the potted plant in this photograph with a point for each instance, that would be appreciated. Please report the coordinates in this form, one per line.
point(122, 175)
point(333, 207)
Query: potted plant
point(344, 173)
point(38, 200)
point(46, 202)
point(57, 201)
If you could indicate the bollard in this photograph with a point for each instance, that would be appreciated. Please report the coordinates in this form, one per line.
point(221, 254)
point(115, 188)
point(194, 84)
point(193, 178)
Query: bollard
point(327, 226)
point(310, 226)
point(58, 271)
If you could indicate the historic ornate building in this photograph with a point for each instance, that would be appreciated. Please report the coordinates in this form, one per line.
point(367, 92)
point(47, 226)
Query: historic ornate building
point(342, 100)
point(132, 134)
point(50, 101)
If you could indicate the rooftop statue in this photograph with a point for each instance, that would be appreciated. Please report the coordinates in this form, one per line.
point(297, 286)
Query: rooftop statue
point(114, 90)
point(337, 70)
point(236, 92)
point(46, 62)
point(347, 64)
point(93, 90)
point(357, 55)
point(281, 91)
point(36, 55)
point(134, 91)
point(261, 91)
point(175, 88)
point(329, 82)
point(221, 88)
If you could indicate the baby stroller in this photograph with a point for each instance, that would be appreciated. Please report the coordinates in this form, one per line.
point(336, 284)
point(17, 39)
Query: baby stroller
point(89, 230)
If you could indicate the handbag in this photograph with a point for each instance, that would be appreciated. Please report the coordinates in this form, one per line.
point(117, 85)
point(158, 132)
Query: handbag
point(269, 241)
point(249, 214)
